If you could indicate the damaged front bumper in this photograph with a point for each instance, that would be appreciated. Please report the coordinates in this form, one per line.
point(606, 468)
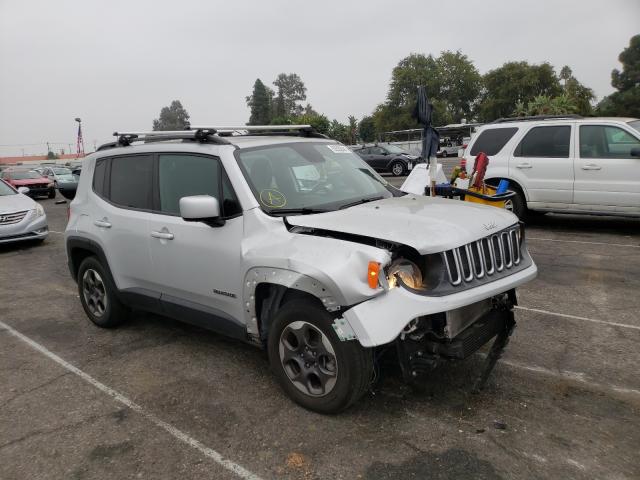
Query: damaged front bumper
point(382, 319)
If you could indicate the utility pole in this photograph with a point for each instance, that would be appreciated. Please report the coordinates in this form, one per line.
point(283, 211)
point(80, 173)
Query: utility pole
point(80, 141)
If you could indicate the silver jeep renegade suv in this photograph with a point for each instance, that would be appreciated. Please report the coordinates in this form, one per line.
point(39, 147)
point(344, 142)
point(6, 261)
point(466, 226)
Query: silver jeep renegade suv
point(283, 238)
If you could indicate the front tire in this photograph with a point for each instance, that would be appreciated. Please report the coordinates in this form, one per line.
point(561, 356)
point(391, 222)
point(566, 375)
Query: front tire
point(98, 295)
point(445, 154)
point(52, 193)
point(314, 368)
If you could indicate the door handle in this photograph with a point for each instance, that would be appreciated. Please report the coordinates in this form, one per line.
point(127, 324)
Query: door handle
point(102, 223)
point(162, 235)
point(591, 166)
point(524, 165)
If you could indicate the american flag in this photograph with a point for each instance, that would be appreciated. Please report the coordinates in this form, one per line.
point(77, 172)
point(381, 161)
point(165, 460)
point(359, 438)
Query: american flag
point(80, 146)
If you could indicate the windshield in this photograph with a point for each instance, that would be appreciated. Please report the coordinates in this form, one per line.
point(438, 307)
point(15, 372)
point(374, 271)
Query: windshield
point(635, 124)
point(394, 149)
point(16, 175)
point(6, 189)
point(309, 177)
point(61, 171)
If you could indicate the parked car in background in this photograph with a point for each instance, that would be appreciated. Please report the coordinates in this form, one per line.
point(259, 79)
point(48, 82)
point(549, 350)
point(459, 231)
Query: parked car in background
point(564, 164)
point(387, 158)
point(38, 185)
point(447, 148)
point(63, 179)
point(21, 218)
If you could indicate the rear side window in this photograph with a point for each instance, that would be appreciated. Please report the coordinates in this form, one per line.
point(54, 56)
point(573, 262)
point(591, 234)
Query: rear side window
point(131, 181)
point(99, 175)
point(493, 140)
point(600, 141)
point(551, 141)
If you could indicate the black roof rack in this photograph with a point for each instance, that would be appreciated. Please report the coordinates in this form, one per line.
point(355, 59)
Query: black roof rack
point(215, 134)
point(536, 117)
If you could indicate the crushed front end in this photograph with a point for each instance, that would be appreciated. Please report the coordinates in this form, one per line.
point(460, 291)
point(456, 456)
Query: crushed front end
point(447, 305)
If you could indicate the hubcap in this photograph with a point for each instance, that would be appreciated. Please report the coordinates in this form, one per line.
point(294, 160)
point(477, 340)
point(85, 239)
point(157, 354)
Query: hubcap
point(397, 169)
point(94, 292)
point(308, 359)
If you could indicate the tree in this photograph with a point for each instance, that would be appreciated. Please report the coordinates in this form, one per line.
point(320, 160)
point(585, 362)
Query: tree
point(260, 104)
point(515, 82)
point(319, 122)
point(353, 130)
point(51, 155)
point(291, 90)
point(367, 129)
point(452, 83)
point(338, 131)
point(626, 101)
point(173, 117)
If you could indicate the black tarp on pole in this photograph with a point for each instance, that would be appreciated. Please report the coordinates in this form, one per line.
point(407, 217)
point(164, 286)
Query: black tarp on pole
point(423, 112)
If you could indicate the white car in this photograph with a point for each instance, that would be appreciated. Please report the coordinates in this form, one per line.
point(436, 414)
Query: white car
point(21, 217)
point(292, 242)
point(564, 164)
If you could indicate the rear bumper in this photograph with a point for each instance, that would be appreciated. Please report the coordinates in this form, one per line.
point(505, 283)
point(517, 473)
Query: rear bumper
point(380, 320)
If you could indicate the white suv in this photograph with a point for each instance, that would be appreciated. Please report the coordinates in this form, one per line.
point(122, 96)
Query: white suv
point(564, 164)
point(288, 240)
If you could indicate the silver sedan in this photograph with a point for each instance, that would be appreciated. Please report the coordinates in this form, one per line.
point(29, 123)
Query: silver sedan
point(21, 218)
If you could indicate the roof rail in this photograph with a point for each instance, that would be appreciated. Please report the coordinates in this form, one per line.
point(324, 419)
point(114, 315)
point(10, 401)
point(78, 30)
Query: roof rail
point(536, 117)
point(210, 134)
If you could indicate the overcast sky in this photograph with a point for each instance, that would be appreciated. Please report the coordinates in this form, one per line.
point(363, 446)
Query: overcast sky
point(116, 63)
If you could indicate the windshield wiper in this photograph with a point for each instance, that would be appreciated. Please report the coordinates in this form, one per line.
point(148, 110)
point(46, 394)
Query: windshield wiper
point(361, 201)
point(300, 211)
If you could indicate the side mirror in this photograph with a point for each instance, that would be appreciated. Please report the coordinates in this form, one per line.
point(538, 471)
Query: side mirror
point(201, 208)
point(23, 190)
point(635, 152)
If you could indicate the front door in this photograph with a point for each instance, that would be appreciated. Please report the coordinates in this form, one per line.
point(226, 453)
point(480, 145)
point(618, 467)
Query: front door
point(543, 164)
point(196, 265)
point(607, 177)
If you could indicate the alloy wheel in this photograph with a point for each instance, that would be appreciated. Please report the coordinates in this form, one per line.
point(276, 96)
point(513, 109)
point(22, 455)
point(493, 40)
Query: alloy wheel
point(308, 358)
point(94, 292)
point(397, 169)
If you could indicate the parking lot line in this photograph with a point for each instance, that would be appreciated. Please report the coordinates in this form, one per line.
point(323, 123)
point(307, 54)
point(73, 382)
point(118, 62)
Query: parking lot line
point(575, 317)
point(175, 432)
point(576, 376)
point(583, 241)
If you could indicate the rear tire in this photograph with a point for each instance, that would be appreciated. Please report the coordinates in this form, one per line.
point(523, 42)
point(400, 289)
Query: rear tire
point(445, 154)
point(519, 205)
point(98, 295)
point(314, 367)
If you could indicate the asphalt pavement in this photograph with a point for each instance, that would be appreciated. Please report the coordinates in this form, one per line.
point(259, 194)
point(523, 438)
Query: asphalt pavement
point(158, 399)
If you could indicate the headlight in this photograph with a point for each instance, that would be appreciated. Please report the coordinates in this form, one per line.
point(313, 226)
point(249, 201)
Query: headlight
point(405, 270)
point(38, 211)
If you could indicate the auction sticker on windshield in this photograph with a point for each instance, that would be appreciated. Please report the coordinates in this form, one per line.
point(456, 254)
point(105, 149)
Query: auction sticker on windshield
point(338, 149)
point(273, 198)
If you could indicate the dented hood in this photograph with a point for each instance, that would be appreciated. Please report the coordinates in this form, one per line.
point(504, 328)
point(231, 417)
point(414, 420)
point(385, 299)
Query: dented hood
point(428, 224)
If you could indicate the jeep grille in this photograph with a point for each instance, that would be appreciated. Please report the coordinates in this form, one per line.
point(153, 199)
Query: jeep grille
point(479, 260)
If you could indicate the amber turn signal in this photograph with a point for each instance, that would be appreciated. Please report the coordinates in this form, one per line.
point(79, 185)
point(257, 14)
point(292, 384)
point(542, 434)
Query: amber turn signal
point(373, 273)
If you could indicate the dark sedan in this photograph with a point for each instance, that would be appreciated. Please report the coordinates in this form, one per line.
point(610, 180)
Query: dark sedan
point(387, 158)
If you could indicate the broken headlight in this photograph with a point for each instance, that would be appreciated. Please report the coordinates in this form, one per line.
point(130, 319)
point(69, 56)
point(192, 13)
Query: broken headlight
point(403, 271)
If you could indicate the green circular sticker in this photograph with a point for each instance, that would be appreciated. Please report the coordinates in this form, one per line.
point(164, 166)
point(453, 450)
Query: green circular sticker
point(273, 198)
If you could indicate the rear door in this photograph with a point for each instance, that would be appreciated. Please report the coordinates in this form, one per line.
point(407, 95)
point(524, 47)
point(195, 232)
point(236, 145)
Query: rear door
point(607, 177)
point(118, 217)
point(542, 163)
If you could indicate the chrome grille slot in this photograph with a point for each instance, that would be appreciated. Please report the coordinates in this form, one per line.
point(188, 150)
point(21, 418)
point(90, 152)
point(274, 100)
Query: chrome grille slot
point(498, 252)
point(483, 258)
point(515, 240)
point(453, 267)
point(487, 255)
point(11, 218)
point(505, 241)
point(478, 261)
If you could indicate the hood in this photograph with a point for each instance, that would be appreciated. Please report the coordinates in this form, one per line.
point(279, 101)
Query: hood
point(15, 203)
point(428, 224)
point(29, 181)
